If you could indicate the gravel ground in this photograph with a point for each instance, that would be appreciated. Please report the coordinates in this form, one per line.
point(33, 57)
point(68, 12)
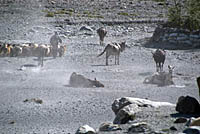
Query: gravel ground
point(64, 108)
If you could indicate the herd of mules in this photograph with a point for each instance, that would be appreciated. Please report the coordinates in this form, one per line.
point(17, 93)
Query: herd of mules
point(44, 50)
point(29, 49)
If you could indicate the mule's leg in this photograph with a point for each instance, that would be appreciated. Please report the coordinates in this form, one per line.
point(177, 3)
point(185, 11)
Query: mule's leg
point(161, 67)
point(118, 59)
point(107, 59)
point(157, 67)
point(115, 59)
point(42, 61)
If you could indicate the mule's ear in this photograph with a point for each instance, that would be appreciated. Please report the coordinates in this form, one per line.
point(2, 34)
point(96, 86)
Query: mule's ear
point(171, 67)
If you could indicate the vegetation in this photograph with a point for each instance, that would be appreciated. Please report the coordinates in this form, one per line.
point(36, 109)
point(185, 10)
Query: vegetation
point(50, 14)
point(159, 0)
point(123, 13)
point(58, 12)
point(185, 14)
point(127, 14)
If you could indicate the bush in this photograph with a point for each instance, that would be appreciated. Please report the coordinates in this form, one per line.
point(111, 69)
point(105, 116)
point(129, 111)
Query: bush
point(185, 14)
point(50, 14)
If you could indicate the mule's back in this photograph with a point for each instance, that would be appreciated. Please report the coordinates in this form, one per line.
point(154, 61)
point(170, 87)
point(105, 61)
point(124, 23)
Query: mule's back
point(159, 56)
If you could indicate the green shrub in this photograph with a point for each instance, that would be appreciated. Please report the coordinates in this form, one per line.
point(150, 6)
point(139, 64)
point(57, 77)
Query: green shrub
point(123, 13)
point(185, 14)
point(50, 14)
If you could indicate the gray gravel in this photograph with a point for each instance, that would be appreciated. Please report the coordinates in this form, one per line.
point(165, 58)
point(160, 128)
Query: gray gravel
point(64, 108)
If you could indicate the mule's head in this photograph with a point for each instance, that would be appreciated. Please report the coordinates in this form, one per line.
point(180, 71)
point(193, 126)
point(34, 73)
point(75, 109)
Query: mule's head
point(102, 33)
point(122, 45)
point(171, 68)
point(97, 83)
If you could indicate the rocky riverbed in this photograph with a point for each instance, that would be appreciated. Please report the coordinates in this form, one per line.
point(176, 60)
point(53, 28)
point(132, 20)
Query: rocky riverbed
point(39, 100)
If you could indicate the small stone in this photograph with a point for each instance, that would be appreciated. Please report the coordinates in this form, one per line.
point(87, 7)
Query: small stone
point(138, 128)
point(173, 128)
point(180, 120)
point(109, 127)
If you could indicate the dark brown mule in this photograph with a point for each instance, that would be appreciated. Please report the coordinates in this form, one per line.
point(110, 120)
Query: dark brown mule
point(159, 57)
point(78, 80)
point(102, 33)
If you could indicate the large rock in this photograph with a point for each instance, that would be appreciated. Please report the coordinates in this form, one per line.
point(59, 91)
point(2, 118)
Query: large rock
point(187, 105)
point(85, 130)
point(192, 130)
point(77, 80)
point(126, 114)
point(86, 28)
point(159, 32)
point(122, 102)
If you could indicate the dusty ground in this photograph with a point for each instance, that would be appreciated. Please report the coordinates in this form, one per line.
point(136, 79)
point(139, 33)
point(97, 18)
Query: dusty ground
point(64, 109)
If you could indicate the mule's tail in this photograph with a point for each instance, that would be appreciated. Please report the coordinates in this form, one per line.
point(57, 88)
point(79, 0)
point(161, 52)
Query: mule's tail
point(103, 51)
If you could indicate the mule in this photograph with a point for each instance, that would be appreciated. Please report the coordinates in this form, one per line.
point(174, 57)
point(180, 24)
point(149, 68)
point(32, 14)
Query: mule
point(102, 33)
point(113, 49)
point(159, 57)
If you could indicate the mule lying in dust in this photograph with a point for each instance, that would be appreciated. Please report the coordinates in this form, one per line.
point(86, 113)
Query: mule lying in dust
point(161, 78)
point(77, 80)
point(113, 49)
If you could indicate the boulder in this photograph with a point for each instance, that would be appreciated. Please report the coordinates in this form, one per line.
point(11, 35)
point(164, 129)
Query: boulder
point(126, 114)
point(122, 102)
point(192, 130)
point(85, 130)
point(85, 28)
point(187, 105)
point(77, 80)
point(109, 127)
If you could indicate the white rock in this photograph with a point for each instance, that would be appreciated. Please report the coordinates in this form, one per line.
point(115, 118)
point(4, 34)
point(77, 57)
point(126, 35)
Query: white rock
point(85, 130)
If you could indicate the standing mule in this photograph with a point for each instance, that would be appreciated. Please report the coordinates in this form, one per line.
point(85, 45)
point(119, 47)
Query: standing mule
point(159, 57)
point(102, 33)
point(113, 49)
